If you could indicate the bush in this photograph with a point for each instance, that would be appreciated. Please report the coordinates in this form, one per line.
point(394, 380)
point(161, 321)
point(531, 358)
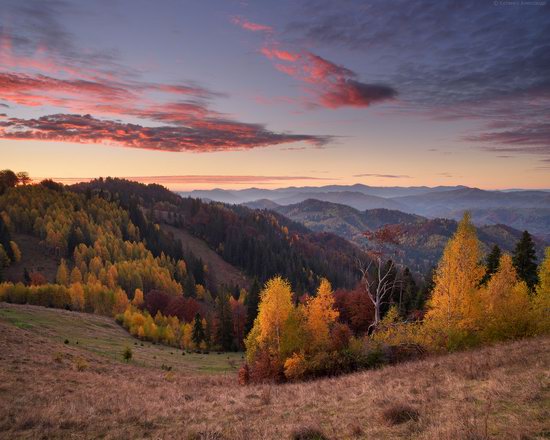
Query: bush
point(400, 413)
point(127, 354)
point(81, 364)
point(308, 434)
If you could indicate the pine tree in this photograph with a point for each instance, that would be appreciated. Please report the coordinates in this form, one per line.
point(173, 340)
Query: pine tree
point(225, 327)
point(525, 260)
point(408, 293)
point(198, 331)
point(251, 302)
point(190, 288)
point(492, 263)
point(26, 276)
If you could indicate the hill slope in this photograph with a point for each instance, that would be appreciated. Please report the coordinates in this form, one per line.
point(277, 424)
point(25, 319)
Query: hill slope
point(423, 239)
point(498, 392)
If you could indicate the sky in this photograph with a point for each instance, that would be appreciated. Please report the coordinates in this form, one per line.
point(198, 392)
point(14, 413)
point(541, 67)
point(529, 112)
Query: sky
point(234, 94)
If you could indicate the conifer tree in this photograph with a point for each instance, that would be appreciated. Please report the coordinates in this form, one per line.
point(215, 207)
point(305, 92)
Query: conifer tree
point(198, 331)
point(225, 326)
point(525, 260)
point(491, 265)
point(251, 302)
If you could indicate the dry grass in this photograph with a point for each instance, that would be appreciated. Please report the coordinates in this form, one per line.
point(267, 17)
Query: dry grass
point(499, 392)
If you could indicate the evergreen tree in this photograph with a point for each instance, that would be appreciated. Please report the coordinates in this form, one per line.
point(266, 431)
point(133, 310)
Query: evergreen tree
point(251, 302)
point(525, 260)
point(408, 293)
point(190, 288)
point(26, 276)
point(198, 331)
point(5, 239)
point(225, 326)
point(492, 263)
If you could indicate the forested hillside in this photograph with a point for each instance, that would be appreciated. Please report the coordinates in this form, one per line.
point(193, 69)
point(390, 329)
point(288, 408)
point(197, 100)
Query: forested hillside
point(111, 256)
point(263, 244)
point(421, 239)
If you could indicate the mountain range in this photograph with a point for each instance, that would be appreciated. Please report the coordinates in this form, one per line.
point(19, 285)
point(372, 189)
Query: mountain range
point(519, 209)
point(422, 240)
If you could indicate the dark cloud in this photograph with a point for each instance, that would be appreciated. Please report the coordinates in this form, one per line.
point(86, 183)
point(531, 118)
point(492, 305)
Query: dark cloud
point(213, 135)
point(451, 60)
point(354, 93)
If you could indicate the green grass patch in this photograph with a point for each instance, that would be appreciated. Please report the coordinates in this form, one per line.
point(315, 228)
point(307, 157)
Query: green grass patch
point(102, 336)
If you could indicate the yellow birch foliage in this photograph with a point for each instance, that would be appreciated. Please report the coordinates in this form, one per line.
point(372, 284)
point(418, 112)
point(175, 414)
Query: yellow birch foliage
point(76, 292)
point(62, 276)
point(76, 275)
point(541, 300)
point(506, 304)
point(321, 315)
point(273, 311)
point(138, 298)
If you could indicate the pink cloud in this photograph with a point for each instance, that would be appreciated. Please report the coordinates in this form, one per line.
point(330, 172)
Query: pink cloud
point(250, 26)
point(208, 135)
point(329, 85)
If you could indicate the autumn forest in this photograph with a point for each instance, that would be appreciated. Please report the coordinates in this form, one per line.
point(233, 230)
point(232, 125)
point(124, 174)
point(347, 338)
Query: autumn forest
point(296, 220)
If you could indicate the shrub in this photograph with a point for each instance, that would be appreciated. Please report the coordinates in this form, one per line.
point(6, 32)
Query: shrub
point(308, 434)
point(244, 375)
point(266, 368)
point(400, 413)
point(295, 367)
point(127, 354)
point(81, 364)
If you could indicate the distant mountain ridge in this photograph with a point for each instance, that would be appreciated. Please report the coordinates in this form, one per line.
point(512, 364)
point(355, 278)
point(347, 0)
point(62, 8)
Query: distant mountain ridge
point(422, 241)
point(520, 209)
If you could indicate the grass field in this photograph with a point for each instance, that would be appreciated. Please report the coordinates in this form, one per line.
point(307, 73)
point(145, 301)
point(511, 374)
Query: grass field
point(49, 389)
point(102, 336)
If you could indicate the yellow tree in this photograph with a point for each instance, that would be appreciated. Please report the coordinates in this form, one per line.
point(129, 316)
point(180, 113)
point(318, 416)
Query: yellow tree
point(138, 298)
point(273, 311)
point(505, 304)
point(321, 315)
point(76, 275)
point(541, 300)
point(453, 302)
point(62, 276)
point(16, 251)
point(76, 292)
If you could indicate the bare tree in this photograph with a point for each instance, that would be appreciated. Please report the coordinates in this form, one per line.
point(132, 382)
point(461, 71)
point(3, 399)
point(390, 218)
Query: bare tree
point(376, 273)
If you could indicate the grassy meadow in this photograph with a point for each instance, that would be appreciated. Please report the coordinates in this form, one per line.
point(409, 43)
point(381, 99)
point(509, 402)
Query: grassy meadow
point(58, 390)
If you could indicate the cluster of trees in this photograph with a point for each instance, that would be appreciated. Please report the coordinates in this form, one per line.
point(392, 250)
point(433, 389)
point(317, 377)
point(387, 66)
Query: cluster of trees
point(91, 297)
point(470, 304)
point(262, 243)
point(265, 244)
point(10, 179)
point(473, 303)
point(292, 342)
point(202, 323)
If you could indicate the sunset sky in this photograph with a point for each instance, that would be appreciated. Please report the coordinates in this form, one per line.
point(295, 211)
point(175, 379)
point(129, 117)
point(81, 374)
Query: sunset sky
point(203, 94)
